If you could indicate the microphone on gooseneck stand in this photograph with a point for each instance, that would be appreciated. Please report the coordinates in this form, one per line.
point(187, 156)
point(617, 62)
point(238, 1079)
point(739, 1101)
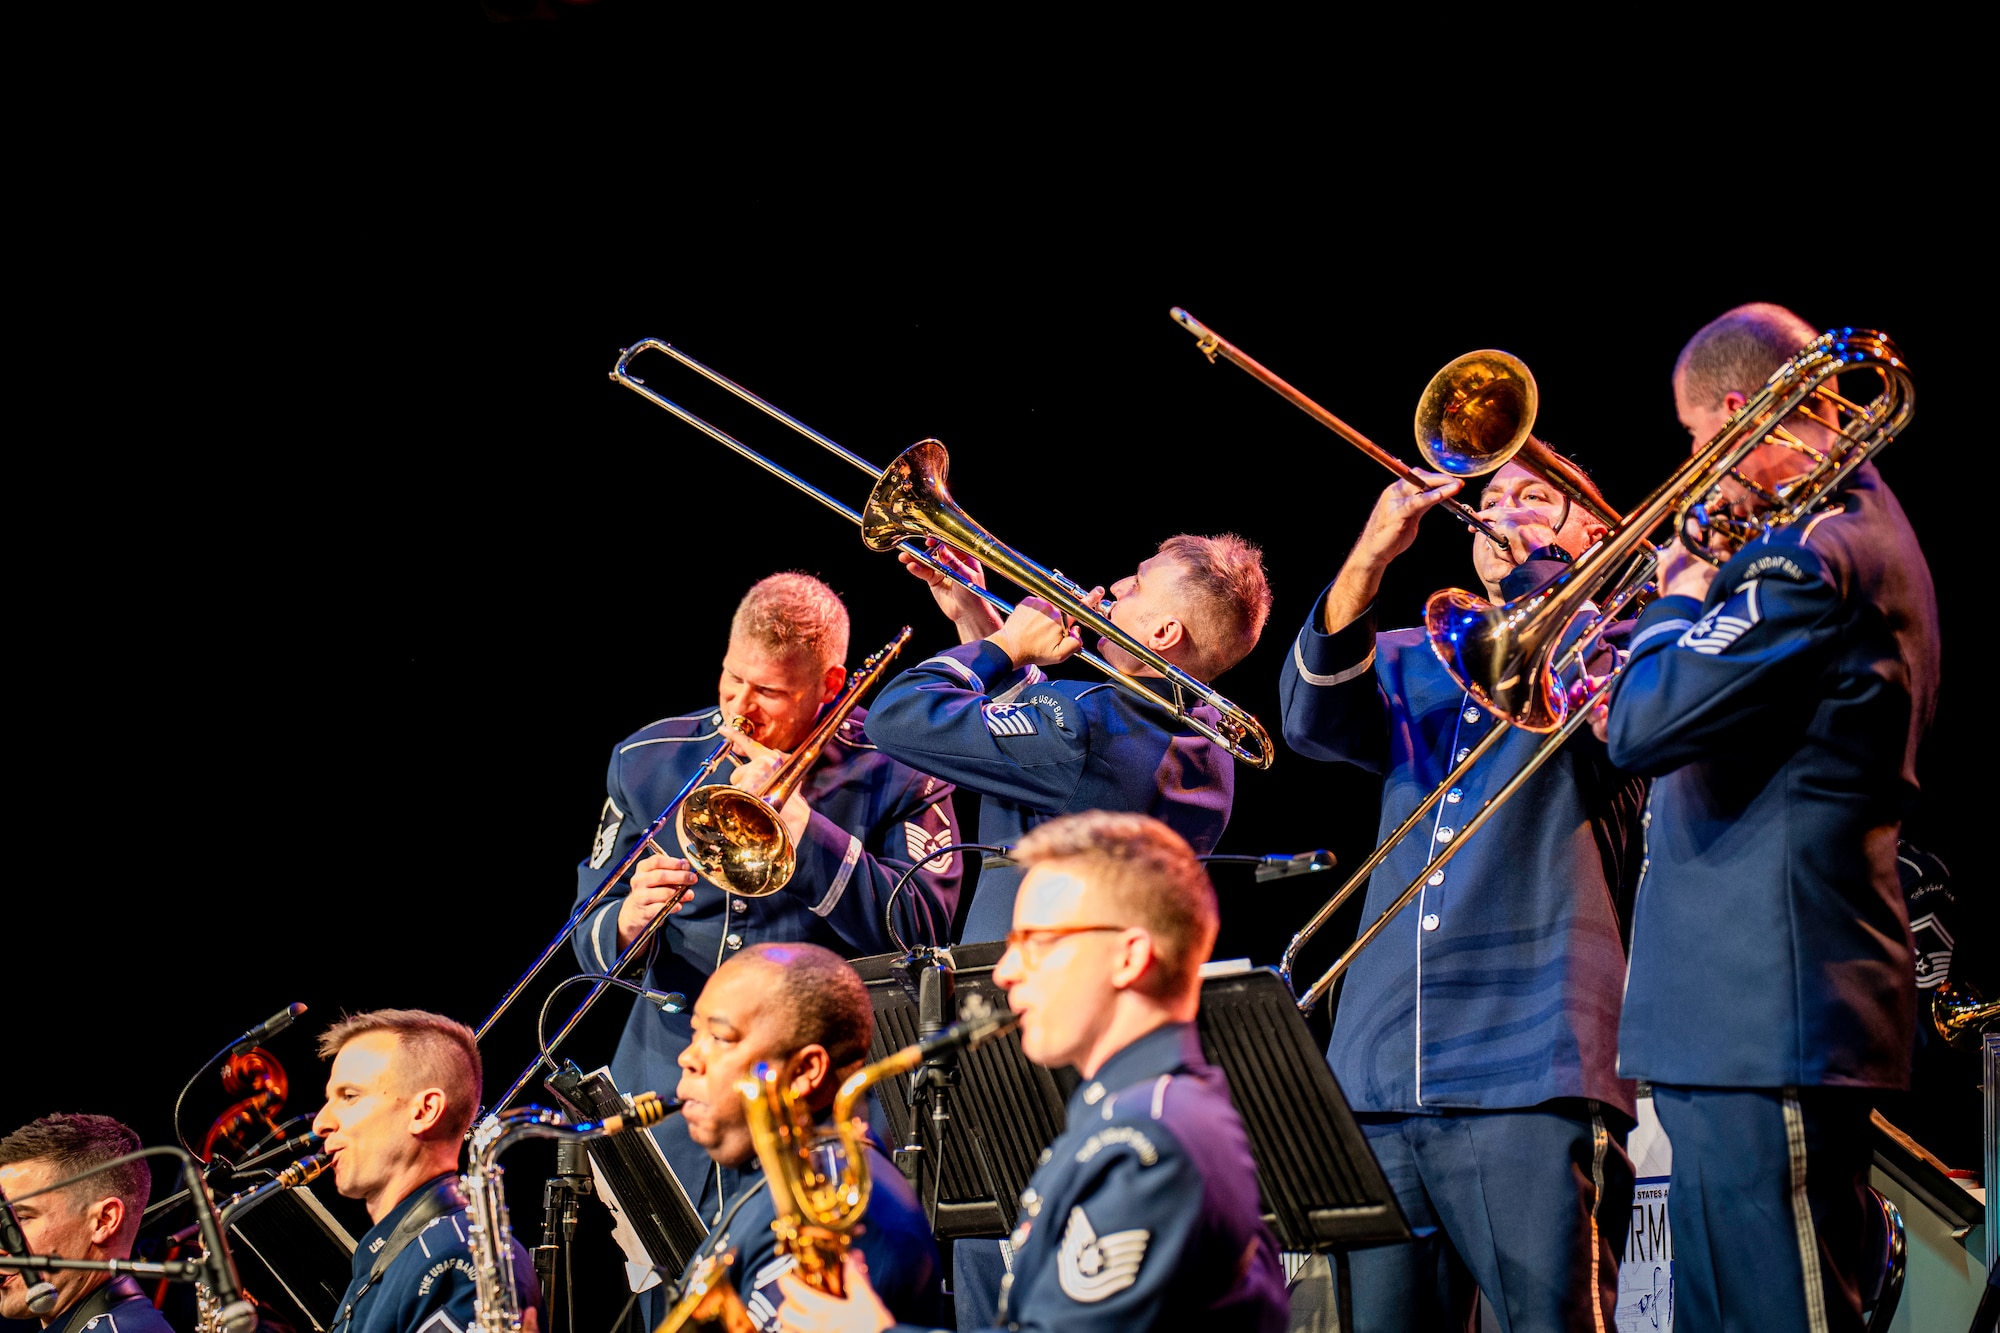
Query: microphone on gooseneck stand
point(270, 1027)
point(42, 1294)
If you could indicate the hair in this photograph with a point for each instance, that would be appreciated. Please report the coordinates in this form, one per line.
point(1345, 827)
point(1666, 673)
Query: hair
point(794, 613)
point(1149, 877)
point(823, 998)
point(432, 1052)
point(73, 1143)
point(1736, 351)
point(1228, 598)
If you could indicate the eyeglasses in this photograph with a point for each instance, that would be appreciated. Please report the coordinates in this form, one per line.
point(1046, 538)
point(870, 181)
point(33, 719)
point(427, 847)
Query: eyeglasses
point(1034, 942)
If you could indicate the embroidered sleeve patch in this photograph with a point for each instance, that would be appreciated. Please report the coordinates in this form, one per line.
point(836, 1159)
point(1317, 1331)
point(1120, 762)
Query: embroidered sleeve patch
point(609, 821)
point(1726, 623)
point(1091, 1267)
point(923, 845)
point(1009, 719)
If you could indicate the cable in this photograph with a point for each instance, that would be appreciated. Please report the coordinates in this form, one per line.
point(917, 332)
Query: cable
point(889, 906)
point(671, 999)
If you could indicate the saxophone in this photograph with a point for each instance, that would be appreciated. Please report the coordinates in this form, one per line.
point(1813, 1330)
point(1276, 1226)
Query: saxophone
point(496, 1304)
point(207, 1305)
point(819, 1180)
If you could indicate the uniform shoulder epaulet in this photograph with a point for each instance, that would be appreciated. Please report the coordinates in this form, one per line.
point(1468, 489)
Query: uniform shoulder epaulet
point(670, 730)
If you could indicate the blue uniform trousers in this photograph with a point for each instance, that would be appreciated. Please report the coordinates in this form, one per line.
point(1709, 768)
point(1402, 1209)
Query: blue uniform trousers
point(1497, 1212)
point(1768, 1206)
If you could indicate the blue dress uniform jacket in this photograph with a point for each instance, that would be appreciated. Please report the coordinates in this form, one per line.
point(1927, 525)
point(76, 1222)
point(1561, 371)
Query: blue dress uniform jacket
point(1144, 1213)
point(1498, 988)
point(429, 1286)
point(1035, 748)
point(1771, 945)
point(872, 818)
point(117, 1306)
point(894, 1235)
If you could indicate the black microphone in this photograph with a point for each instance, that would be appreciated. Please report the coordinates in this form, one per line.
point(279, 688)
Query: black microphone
point(1277, 866)
point(41, 1295)
point(237, 1315)
point(270, 1027)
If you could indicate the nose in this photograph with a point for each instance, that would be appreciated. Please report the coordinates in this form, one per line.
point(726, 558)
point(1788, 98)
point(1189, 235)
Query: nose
point(686, 1059)
point(324, 1123)
point(1007, 973)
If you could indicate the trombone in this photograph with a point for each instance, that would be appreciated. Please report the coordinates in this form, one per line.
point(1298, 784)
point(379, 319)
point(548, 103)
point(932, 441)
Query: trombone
point(911, 499)
point(1512, 658)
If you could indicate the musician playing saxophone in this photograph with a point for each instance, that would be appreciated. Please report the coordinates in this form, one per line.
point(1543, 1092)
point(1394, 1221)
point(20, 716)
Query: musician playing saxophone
point(1476, 1038)
point(1780, 701)
point(801, 1009)
point(399, 1098)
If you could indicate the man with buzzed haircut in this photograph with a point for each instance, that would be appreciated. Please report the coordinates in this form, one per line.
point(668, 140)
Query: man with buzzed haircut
point(403, 1090)
point(1144, 1213)
point(983, 715)
point(860, 820)
point(96, 1218)
point(806, 1013)
point(1780, 701)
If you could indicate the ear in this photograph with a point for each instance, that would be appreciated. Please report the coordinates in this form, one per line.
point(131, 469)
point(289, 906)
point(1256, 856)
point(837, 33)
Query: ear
point(105, 1217)
point(426, 1110)
point(836, 676)
point(1167, 635)
point(1732, 403)
point(812, 1068)
point(1133, 959)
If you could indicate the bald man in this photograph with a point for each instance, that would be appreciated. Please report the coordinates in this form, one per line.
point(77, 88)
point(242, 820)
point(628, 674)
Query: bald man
point(802, 1010)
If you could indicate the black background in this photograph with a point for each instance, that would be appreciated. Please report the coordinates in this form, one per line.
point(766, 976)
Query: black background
point(341, 566)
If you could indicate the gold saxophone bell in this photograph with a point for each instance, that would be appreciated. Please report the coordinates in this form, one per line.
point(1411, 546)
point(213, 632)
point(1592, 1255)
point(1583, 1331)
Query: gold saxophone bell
point(709, 1303)
point(736, 838)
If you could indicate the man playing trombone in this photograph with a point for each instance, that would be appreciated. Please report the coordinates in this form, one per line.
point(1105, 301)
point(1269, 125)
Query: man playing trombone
point(983, 715)
point(1780, 701)
point(860, 821)
point(1476, 1038)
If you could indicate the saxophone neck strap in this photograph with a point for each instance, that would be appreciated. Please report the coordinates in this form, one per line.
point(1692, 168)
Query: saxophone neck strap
point(437, 1201)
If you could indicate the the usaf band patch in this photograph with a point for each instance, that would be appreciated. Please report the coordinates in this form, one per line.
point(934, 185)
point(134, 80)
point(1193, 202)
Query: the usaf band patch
point(1091, 1267)
point(1009, 719)
point(1726, 623)
point(609, 821)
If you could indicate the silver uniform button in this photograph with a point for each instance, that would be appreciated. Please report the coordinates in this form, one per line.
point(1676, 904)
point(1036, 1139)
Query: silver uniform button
point(1431, 921)
point(1446, 835)
point(1472, 715)
point(1437, 878)
point(1454, 796)
point(738, 905)
point(1462, 754)
point(1031, 1203)
point(734, 941)
point(1093, 1094)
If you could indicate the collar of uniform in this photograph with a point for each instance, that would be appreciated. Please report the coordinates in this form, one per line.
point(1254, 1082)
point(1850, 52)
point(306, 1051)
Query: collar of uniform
point(1168, 1049)
point(121, 1288)
point(378, 1235)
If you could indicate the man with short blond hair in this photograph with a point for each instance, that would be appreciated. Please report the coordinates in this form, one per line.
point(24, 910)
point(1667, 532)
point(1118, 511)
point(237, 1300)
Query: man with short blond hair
point(983, 714)
point(1144, 1213)
point(403, 1089)
point(95, 1218)
point(858, 822)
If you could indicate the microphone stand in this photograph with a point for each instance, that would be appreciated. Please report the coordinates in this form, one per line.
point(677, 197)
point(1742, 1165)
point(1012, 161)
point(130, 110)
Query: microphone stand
point(571, 1182)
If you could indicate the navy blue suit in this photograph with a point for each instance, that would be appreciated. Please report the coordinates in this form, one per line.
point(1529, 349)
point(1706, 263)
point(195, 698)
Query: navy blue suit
point(1477, 1035)
point(1035, 748)
point(871, 820)
point(1771, 947)
point(1144, 1213)
point(894, 1235)
point(118, 1305)
point(429, 1286)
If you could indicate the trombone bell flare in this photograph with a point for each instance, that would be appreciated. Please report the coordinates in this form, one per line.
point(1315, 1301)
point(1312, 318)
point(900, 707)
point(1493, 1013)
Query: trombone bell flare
point(1476, 413)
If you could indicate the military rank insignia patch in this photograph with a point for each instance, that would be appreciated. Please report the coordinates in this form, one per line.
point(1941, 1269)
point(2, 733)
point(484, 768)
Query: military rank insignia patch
point(1727, 623)
point(608, 823)
point(1009, 719)
point(1091, 1267)
point(924, 846)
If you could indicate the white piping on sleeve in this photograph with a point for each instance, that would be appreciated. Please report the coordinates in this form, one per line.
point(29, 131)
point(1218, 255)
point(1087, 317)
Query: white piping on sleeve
point(1657, 629)
point(596, 941)
point(959, 669)
point(1032, 678)
point(839, 885)
point(1160, 1094)
point(1338, 677)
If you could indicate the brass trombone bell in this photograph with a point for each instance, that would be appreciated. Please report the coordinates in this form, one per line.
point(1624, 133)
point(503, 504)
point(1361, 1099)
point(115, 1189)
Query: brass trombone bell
point(1960, 1015)
point(1476, 413)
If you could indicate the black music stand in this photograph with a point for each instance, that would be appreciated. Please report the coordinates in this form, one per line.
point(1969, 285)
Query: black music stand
point(1321, 1187)
point(638, 1183)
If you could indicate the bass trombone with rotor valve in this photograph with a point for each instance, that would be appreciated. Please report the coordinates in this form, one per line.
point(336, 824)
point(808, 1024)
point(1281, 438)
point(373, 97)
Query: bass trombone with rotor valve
point(1514, 658)
point(911, 501)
